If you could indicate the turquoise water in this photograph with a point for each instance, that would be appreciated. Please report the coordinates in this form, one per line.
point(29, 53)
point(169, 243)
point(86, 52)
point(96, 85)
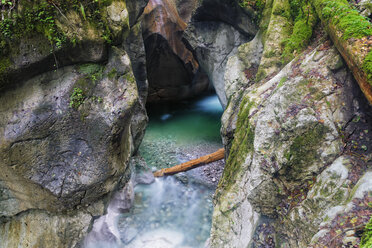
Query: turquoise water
point(175, 211)
point(189, 122)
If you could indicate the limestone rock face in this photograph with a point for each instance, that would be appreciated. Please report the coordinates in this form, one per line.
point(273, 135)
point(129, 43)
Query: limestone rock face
point(171, 66)
point(186, 8)
point(241, 73)
point(279, 27)
point(213, 43)
point(40, 229)
point(215, 33)
point(67, 135)
point(290, 167)
point(228, 12)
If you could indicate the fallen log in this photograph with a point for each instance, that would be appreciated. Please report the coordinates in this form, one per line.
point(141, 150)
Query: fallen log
point(192, 164)
point(351, 33)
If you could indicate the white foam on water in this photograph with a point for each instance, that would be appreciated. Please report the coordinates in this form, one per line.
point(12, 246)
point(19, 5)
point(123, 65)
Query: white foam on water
point(165, 117)
point(161, 238)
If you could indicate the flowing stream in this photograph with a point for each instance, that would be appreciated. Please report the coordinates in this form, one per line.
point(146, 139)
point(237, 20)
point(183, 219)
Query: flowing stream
point(175, 211)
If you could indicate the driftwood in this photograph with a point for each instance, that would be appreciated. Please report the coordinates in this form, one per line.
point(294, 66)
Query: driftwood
point(192, 164)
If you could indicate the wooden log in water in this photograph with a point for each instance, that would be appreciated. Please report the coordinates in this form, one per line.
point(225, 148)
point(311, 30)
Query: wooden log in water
point(192, 164)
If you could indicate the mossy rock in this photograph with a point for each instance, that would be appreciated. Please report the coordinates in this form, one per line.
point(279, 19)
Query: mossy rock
point(242, 145)
point(303, 151)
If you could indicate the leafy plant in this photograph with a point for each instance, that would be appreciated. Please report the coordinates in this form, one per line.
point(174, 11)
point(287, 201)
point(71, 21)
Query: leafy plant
point(77, 98)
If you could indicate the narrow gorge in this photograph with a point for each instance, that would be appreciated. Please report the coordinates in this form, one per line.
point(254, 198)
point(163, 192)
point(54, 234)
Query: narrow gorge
point(97, 95)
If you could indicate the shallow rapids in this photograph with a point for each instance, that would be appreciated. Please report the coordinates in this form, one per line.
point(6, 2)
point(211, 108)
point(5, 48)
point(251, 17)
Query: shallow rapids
point(172, 212)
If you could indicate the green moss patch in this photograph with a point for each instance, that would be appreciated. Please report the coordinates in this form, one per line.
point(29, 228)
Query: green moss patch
point(41, 16)
point(77, 98)
point(282, 81)
point(367, 67)
point(303, 151)
point(302, 32)
point(346, 19)
point(242, 145)
point(367, 236)
point(282, 8)
point(4, 66)
point(257, 5)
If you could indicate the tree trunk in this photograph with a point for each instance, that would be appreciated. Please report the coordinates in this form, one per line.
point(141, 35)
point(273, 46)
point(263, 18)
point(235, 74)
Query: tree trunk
point(220, 154)
point(353, 50)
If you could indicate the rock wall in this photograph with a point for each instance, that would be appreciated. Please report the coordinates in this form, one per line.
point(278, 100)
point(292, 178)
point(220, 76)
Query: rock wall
point(70, 121)
point(299, 151)
point(215, 31)
point(172, 68)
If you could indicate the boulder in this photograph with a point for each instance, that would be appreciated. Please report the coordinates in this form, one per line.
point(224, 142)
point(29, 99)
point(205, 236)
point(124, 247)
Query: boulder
point(241, 73)
point(67, 132)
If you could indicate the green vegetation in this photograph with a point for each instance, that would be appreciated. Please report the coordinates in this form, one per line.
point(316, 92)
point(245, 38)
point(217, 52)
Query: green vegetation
point(367, 67)
point(254, 4)
point(340, 14)
point(41, 17)
point(366, 241)
point(257, 5)
point(305, 19)
point(77, 98)
point(112, 74)
point(92, 72)
point(84, 86)
point(303, 150)
point(4, 65)
point(282, 81)
point(129, 77)
point(282, 8)
point(242, 145)
point(261, 74)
